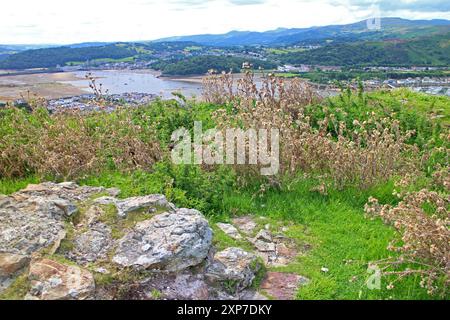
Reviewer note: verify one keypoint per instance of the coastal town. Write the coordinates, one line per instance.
(91, 102)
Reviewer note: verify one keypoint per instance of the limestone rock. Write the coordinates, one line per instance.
(33, 218)
(230, 230)
(235, 265)
(29, 225)
(154, 201)
(170, 241)
(66, 190)
(92, 245)
(51, 280)
(138, 203)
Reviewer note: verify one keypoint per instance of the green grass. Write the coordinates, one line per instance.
(342, 239)
(8, 186)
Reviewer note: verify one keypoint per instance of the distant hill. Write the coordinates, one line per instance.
(51, 57)
(391, 28)
(78, 53)
(425, 51)
(399, 42)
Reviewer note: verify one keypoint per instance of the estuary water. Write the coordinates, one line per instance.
(143, 81)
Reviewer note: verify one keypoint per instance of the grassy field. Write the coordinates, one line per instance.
(331, 226)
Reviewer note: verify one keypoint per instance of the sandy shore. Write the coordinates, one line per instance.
(46, 85)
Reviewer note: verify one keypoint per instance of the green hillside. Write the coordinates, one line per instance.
(427, 51)
(51, 57)
(201, 65)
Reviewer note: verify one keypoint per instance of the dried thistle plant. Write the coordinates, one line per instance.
(69, 145)
(369, 153)
(422, 219)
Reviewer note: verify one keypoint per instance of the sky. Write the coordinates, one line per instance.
(75, 21)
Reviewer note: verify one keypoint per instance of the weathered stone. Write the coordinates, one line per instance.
(92, 215)
(154, 201)
(11, 263)
(264, 235)
(282, 286)
(51, 280)
(230, 230)
(92, 245)
(264, 246)
(245, 224)
(68, 207)
(29, 225)
(137, 203)
(170, 241)
(67, 190)
(186, 287)
(235, 265)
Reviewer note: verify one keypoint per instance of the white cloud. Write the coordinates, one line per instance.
(70, 21)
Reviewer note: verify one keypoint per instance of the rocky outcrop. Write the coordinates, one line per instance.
(70, 242)
(170, 241)
(34, 218)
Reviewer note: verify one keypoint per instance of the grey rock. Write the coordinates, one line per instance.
(68, 207)
(29, 224)
(170, 241)
(137, 203)
(236, 265)
(105, 200)
(264, 235)
(186, 286)
(230, 230)
(92, 245)
(264, 246)
(66, 190)
(154, 201)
